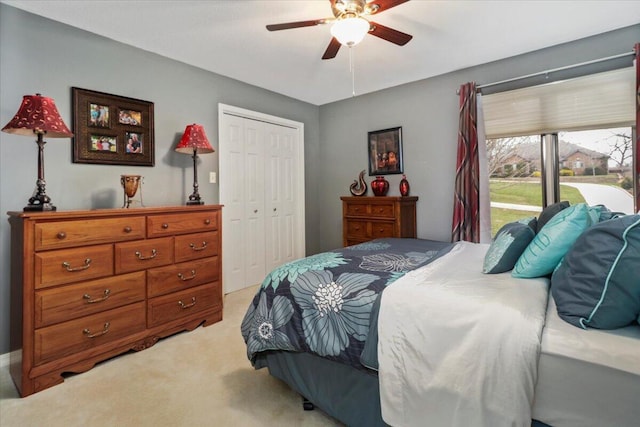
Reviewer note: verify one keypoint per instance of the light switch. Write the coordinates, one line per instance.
(212, 177)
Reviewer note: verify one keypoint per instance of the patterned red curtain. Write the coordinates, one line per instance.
(466, 217)
(637, 147)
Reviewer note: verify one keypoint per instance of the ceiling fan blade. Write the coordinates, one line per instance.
(332, 49)
(298, 24)
(377, 6)
(389, 34)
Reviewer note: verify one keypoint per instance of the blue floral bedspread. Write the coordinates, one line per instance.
(322, 304)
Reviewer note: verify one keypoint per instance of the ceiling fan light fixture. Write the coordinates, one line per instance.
(350, 31)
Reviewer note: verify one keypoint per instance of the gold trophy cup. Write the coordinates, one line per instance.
(130, 183)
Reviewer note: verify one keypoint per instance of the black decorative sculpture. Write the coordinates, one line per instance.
(359, 186)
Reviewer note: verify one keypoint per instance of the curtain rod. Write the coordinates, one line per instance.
(541, 73)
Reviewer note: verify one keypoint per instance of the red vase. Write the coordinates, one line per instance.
(380, 186)
(404, 186)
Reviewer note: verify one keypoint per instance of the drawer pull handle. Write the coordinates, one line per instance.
(201, 248)
(154, 254)
(165, 226)
(207, 221)
(61, 235)
(87, 264)
(88, 333)
(185, 306)
(184, 279)
(107, 294)
(127, 229)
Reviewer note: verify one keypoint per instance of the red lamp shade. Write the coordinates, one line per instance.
(194, 139)
(38, 114)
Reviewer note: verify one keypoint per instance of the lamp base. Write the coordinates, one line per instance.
(195, 202)
(45, 207)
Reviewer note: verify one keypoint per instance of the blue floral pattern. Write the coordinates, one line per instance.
(291, 269)
(332, 311)
(323, 304)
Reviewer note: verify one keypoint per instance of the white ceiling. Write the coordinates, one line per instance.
(229, 37)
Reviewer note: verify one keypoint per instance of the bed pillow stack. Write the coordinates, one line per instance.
(553, 241)
(598, 283)
(513, 238)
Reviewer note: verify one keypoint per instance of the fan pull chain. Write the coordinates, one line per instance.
(353, 72)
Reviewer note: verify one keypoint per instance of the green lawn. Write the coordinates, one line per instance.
(521, 193)
(500, 217)
(527, 193)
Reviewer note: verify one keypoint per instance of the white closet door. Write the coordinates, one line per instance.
(231, 146)
(262, 190)
(253, 238)
(280, 185)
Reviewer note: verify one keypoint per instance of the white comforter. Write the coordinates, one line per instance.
(458, 347)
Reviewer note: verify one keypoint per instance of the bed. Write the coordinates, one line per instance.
(568, 376)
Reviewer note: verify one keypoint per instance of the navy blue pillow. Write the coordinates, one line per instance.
(549, 212)
(597, 284)
(507, 246)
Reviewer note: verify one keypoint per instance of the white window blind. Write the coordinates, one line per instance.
(589, 102)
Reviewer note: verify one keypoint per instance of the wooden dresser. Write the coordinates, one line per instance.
(368, 218)
(88, 285)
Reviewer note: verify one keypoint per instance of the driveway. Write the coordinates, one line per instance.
(614, 198)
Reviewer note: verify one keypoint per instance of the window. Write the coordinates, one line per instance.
(577, 145)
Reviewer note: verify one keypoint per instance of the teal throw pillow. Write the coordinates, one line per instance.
(598, 283)
(552, 242)
(507, 246)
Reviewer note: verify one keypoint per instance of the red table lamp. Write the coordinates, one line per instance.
(194, 141)
(38, 115)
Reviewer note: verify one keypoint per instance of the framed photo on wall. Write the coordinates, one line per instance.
(111, 129)
(385, 152)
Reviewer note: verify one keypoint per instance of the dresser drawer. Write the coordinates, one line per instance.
(69, 302)
(66, 234)
(143, 254)
(64, 339)
(382, 229)
(163, 280)
(72, 265)
(182, 304)
(382, 210)
(195, 246)
(356, 228)
(164, 225)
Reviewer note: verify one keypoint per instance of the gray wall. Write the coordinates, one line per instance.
(427, 110)
(335, 134)
(39, 55)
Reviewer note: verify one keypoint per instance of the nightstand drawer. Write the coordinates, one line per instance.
(195, 246)
(64, 339)
(164, 280)
(382, 229)
(164, 225)
(142, 254)
(357, 228)
(382, 210)
(357, 209)
(72, 265)
(182, 304)
(69, 302)
(66, 234)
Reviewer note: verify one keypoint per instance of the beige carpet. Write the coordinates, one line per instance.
(197, 378)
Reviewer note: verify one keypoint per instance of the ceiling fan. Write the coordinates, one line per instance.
(350, 24)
